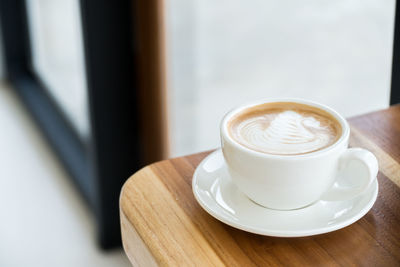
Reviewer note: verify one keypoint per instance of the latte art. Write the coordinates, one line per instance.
(284, 131)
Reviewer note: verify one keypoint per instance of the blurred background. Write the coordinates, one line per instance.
(91, 91)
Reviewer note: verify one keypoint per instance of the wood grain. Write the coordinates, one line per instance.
(158, 203)
(137, 251)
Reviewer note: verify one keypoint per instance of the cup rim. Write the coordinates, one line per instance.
(343, 123)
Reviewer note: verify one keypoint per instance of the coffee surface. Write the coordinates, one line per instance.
(284, 128)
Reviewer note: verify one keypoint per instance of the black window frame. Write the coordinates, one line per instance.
(395, 86)
(99, 166)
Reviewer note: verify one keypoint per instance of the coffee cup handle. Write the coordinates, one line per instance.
(358, 169)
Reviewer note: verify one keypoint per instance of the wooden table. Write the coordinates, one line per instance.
(163, 224)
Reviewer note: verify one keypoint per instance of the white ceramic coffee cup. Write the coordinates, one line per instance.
(288, 182)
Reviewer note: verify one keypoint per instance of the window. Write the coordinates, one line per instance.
(224, 53)
(52, 25)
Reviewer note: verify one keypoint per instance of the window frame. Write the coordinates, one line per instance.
(395, 86)
(99, 166)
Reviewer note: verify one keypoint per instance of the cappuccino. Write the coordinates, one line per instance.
(284, 128)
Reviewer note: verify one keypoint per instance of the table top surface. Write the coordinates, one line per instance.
(162, 224)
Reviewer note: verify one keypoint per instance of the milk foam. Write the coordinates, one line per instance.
(285, 132)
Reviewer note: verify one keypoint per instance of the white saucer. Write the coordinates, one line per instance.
(216, 193)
